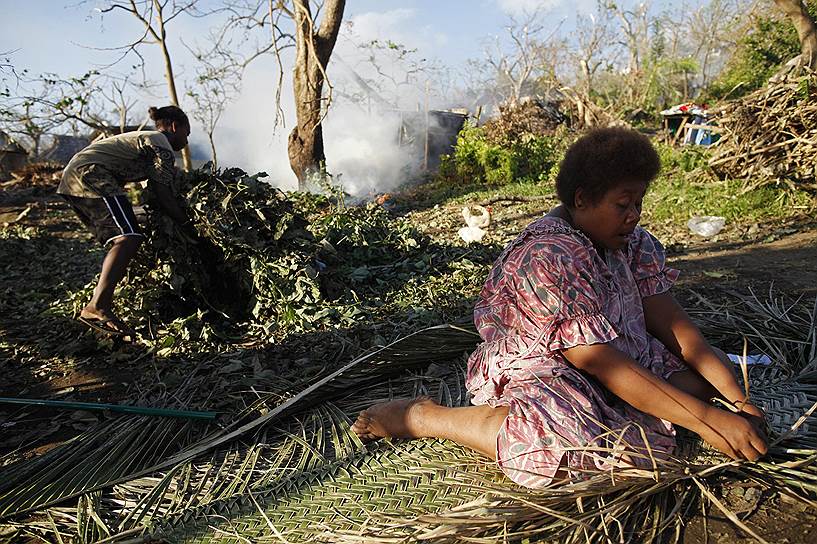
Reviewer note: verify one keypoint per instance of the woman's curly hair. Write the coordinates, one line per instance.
(603, 158)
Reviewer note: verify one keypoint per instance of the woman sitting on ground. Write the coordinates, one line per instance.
(585, 355)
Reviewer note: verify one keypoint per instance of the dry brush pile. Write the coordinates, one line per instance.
(771, 134)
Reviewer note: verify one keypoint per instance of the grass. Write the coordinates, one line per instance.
(674, 197)
(684, 188)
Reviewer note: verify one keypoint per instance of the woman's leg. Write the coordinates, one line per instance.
(475, 427)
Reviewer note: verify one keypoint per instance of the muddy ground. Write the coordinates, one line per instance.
(780, 256)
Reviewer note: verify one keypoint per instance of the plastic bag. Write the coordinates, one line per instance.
(706, 225)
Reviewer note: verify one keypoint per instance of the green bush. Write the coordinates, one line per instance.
(759, 54)
(526, 159)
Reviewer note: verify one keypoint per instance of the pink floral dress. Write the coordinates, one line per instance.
(551, 290)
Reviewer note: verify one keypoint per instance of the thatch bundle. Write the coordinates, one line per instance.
(771, 134)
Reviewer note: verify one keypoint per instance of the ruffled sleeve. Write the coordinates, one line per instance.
(648, 264)
(555, 294)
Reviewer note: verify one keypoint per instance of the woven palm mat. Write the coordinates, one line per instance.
(427, 489)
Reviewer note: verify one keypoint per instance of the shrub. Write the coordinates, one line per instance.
(526, 158)
(769, 44)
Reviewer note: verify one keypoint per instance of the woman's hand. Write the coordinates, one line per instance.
(734, 435)
(756, 417)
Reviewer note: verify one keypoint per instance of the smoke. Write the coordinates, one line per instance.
(247, 137)
(362, 141)
(363, 151)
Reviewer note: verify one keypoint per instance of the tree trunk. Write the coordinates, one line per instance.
(312, 51)
(171, 81)
(210, 136)
(796, 11)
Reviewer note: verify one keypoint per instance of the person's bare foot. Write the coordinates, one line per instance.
(402, 418)
(106, 320)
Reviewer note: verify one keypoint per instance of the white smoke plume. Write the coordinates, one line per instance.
(361, 140)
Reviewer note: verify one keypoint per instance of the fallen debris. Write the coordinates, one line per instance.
(770, 136)
(475, 224)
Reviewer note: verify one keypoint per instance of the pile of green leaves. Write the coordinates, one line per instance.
(263, 262)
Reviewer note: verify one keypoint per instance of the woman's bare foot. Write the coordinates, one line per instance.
(402, 418)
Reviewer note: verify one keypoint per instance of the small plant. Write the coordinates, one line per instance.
(526, 158)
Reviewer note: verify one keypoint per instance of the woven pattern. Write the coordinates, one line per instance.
(412, 478)
(409, 479)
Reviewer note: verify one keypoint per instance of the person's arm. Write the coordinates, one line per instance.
(625, 378)
(164, 197)
(159, 182)
(671, 325)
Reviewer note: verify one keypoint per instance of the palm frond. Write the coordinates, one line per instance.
(127, 448)
(297, 474)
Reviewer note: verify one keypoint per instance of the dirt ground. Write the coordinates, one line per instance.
(781, 257)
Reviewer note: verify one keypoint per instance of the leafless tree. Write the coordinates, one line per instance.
(155, 16)
(593, 46)
(522, 61)
(314, 32)
(635, 31)
(49, 102)
(383, 69)
(215, 86)
(117, 94)
(383, 73)
(314, 42)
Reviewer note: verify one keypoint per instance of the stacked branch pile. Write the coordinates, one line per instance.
(771, 134)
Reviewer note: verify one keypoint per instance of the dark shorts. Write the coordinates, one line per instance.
(107, 217)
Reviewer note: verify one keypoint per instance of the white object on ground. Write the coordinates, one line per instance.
(476, 223)
(706, 225)
(761, 359)
(471, 234)
(480, 221)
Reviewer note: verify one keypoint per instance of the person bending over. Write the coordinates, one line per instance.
(93, 184)
(587, 360)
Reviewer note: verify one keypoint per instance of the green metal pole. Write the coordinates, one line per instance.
(139, 410)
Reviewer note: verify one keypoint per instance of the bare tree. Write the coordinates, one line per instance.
(382, 73)
(216, 85)
(520, 62)
(49, 103)
(27, 122)
(593, 38)
(635, 30)
(314, 35)
(116, 94)
(797, 13)
(155, 15)
(385, 72)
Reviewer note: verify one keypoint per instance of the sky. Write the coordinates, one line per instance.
(69, 37)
